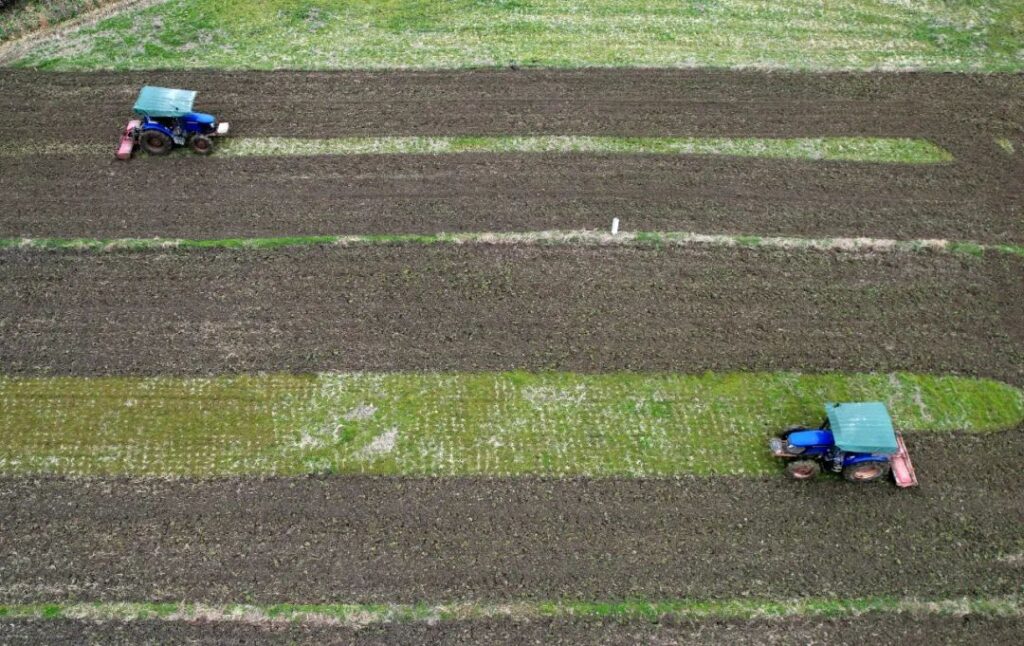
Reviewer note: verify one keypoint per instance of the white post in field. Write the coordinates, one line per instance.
(615, 226)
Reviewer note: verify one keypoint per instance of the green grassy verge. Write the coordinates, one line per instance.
(858, 149)
(952, 35)
(582, 237)
(366, 614)
(454, 424)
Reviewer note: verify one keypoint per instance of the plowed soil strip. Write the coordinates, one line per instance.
(415, 307)
(955, 107)
(883, 628)
(182, 196)
(976, 198)
(402, 541)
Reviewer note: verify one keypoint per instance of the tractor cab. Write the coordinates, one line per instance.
(166, 119)
(857, 440)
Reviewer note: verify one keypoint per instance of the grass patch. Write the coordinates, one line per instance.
(855, 149)
(357, 615)
(20, 17)
(656, 239)
(949, 35)
(1006, 145)
(561, 424)
(863, 149)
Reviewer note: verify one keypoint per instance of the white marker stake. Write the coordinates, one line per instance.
(615, 226)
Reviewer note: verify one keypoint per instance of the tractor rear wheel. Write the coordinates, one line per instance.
(866, 471)
(201, 144)
(155, 142)
(803, 469)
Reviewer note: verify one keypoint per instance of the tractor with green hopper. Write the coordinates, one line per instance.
(856, 440)
(165, 119)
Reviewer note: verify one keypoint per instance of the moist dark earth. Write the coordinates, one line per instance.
(407, 540)
(507, 307)
(873, 628)
(976, 197)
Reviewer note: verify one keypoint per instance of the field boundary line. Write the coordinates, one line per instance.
(358, 615)
(576, 237)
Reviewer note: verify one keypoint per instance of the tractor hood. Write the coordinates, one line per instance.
(807, 439)
(201, 118)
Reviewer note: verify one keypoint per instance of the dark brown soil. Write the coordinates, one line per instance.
(872, 628)
(976, 198)
(622, 102)
(481, 307)
(411, 540)
(365, 194)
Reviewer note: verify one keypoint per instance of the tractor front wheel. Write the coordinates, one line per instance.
(803, 469)
(866, 471)
(201, 144)
(155, 142)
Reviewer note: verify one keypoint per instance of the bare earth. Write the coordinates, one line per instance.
(977, 197)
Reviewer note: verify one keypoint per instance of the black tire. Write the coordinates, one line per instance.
(201, 144)
(803, 469)
(870, 471)
(155, 142)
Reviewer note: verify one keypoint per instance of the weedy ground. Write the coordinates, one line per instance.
(862, 149)
(454, 424)
(953, 35)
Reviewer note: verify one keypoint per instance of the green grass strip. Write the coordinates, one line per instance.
(858, 149)
(636, 609)
(430, 424)
(863, 149)
(577, 238)
(950, 35)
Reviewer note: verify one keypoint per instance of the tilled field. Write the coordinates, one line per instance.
(499, 307)
(976, 198)
(624, 102)
(877, 628)
(366, 194)
(531, 306)
(406, 540)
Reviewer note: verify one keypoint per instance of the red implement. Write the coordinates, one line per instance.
(902, 469)
(127, 144)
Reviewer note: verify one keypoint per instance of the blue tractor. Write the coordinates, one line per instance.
(165, 120)
(856, 440)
